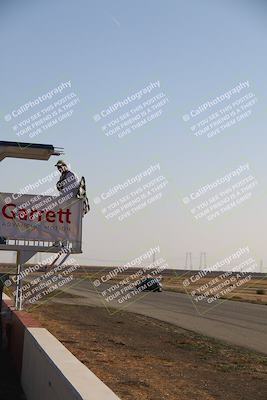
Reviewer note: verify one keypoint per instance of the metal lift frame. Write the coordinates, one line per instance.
(26, 249)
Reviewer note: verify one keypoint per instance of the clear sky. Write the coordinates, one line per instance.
(109, 50)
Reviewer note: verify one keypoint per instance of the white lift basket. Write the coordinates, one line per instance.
(30, 224)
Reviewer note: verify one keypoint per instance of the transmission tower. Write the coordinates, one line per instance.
(188, 260)
(203, 260)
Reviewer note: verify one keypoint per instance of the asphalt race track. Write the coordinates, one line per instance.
(239, 323)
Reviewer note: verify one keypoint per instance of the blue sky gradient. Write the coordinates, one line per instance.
(111, 49)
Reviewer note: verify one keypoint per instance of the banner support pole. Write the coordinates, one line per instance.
(22, 257)
(18, 299)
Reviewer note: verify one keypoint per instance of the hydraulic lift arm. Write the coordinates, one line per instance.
(31, 151)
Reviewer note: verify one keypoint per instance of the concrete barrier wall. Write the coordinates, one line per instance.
(50, 369)
(47, 369)
(14, 326)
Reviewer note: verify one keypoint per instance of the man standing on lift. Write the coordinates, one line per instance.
(68, 183)
(70, 186)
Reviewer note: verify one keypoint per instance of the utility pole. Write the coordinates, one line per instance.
(186, 260)
(154, 258)
(200, 261)
(203, 260)
(190, 261)
(261, 266)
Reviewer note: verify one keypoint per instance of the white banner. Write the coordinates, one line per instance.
(36, 217)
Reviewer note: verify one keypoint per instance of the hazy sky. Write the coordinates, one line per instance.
(110, 50)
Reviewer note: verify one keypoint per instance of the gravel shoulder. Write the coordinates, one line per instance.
(142, 358)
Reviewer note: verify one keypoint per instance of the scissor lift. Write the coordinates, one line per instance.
(26, 249)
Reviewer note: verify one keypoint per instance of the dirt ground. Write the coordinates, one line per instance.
(253, 291)
(140, 358)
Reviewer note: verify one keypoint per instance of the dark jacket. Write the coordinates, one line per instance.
(68, 184)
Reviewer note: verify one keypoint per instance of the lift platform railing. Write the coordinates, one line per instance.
(19, 233)
(38, 245)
